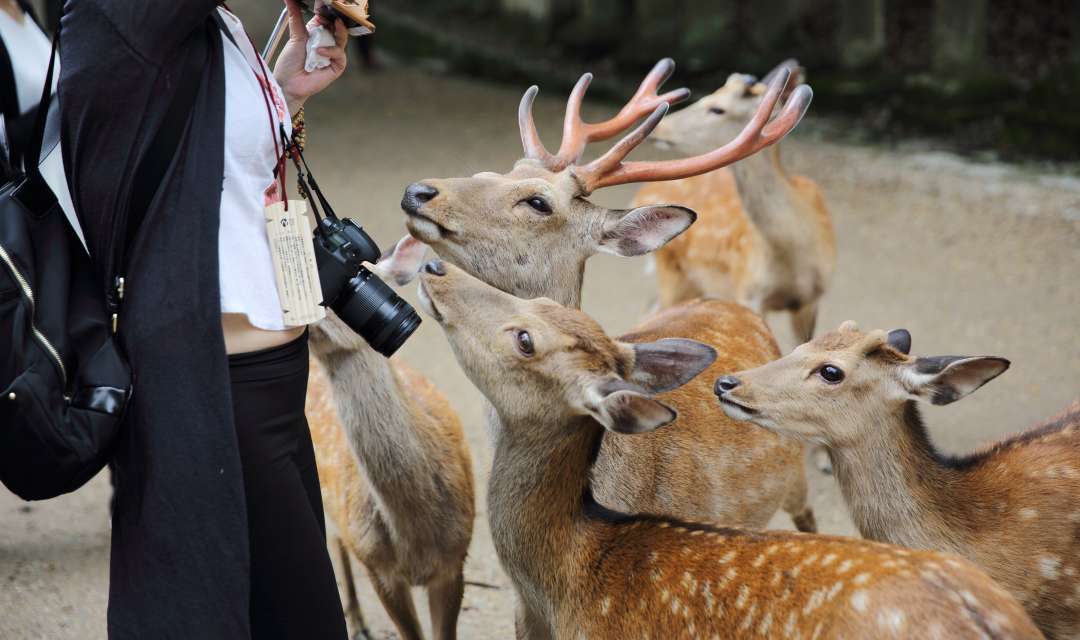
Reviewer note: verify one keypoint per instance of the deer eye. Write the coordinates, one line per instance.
(717, 110)
(539, 205)
(525, 343)
(831, 374)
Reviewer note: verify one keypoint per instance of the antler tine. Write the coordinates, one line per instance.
(608, 171)
(611, 160)
(577, 133)
(530, 137)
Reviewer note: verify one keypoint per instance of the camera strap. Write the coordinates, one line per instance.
(308, 187)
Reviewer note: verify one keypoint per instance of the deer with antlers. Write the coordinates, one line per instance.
(529, 233)
(1012, 508)
(763, 237)
(557, 383)
(395, 471)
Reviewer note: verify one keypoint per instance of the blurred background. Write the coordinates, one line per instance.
(943, 133)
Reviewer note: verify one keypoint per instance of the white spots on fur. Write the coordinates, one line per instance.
(727, 557)
(789, 625)
(748, 621)
(697, 532)
(777, 577)
(689, 582)
(665, 595)
(758, 561)
(1028, 513)
(817, 598)
(935, 632)
(727, 578)
(969, 599)
(844, 567)
(605, 606)
(744, 597)
(656, 575)
(861, 579)
(706, 593)
(860, 600)
(675, 605)
(1049, 567)
(891, 619)
(766, 624)
(828, 559)
(653, 556)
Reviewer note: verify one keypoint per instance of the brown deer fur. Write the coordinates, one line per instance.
(529, 232)
(396, 478)
(763, 238)
(583, 571)
(1013, 508)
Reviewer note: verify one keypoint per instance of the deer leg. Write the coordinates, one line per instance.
(354, 617)
(803, 321)
(397, 600)
(444, 605)
(797, 503)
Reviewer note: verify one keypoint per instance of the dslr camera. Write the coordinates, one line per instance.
(357, 296)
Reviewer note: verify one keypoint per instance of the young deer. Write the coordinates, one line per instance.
(529, 233)
(763, 238)
(396, 476)
(1012, 508)
(582, 571)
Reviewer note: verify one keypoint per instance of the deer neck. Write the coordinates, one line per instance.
(560, 280)
(535, 502)
(382, 430)
(899, 489)
(768, 198)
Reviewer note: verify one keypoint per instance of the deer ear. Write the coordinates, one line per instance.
(403, 262)
(669, 363)
(627, 411)
(946, 379)
(644, 229)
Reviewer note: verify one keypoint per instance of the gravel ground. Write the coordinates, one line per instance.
(981, 259)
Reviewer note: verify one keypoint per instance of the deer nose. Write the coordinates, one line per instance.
(416, 194)
(435, 268)
(726, 383)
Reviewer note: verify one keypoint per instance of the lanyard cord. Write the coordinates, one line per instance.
(264, 87)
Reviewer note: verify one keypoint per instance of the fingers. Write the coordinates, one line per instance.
(336, 55)
(296, 20)
(341, 34)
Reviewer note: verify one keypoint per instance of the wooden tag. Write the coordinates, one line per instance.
(295, 271)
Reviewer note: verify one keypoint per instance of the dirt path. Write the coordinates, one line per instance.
(971, 259)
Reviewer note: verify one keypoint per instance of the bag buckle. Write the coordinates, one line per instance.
(115, 299)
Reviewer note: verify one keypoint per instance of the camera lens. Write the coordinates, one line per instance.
(374, 311)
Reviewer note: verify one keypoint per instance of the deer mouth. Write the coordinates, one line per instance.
(427, 304)
(736, 410)
(425, 228)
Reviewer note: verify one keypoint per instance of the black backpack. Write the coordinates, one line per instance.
(65, 382)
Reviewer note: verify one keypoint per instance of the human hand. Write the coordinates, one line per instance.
(298, 84)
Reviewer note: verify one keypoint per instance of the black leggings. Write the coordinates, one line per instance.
(293, 592)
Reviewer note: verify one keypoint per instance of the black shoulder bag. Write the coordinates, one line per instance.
(65, 382)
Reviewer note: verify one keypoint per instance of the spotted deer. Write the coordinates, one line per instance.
(530, 231)
(1012, 508)
(395, 472)
(583, 571)
(763, 237)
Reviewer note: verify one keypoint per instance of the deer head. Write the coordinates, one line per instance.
(720, 115)
(836, 388)
(529, 231)
(539, 361)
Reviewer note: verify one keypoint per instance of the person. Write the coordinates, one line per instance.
(218, 528)
(24, 60)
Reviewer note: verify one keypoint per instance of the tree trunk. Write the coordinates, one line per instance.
(861, 32)
(959, 35)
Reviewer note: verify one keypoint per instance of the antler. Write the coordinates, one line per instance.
(577, 133)
(609, 169)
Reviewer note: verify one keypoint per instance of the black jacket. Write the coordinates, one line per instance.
(179, 540)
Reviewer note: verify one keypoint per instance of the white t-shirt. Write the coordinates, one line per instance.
(246, 267)
(29, 50)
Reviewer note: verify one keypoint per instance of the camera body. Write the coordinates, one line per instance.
(357, 296)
